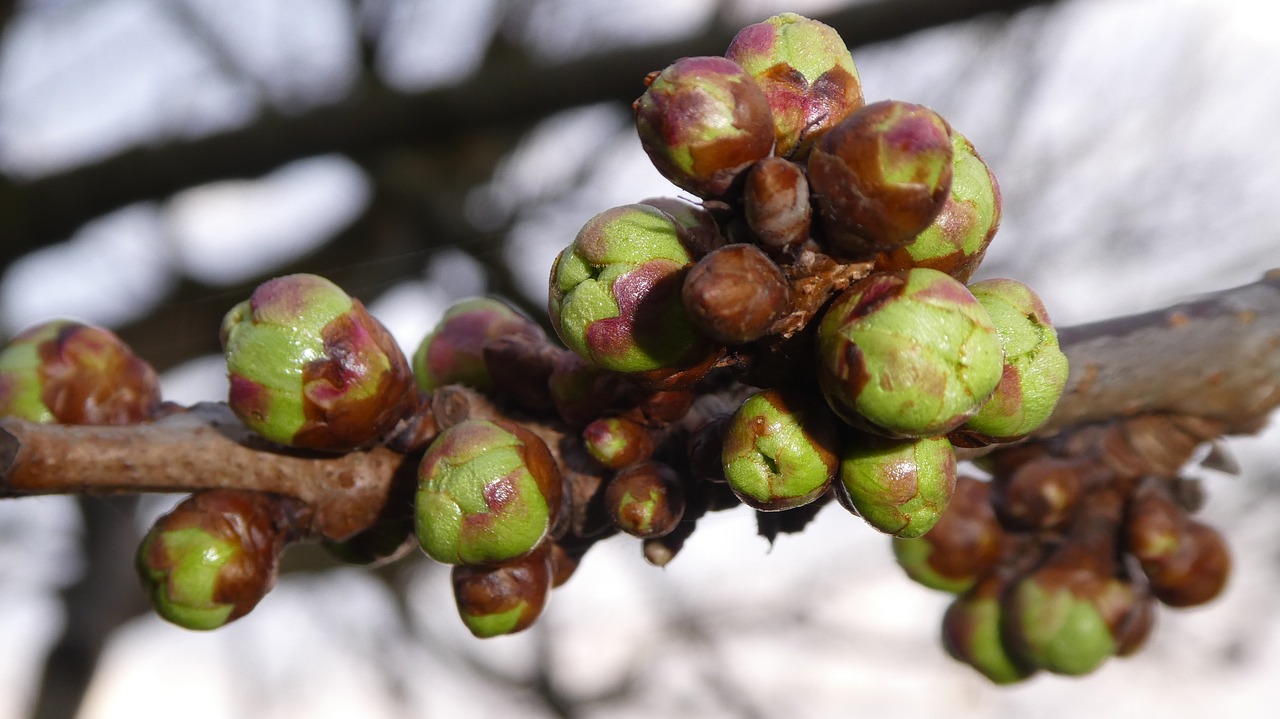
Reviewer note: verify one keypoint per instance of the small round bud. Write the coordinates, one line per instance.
(453, 352)
(807, 73)
(734, 294)
(488, 491)
(645, 500)
(502, 599)
(971, 634)
(776, 205)
(1043, 493)
(68, 373)
(212, 558)
(880, 177)
(617, 442)
(703, 121)
(899, 487)
(1196, 572)
(957, 239)
(310, 367)
(907, 354)
(779, 451)
(615, 293)
(962, 547)
(1065, 617)
(1035, 369)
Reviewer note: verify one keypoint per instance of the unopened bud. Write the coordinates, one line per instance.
(779, 450)
(645, 500)
(734, 294)
(900, 487)
(502, 599)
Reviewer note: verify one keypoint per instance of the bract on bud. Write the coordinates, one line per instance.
(775, 203)
(900, 487)
(645, 500)
(703, 121)
(734, 294)
(962, 547)
(957, 239)
(780, 450)
(213, 557)
(310, 367)
(805, 70)
(487, 492)
(907, 354)
(615, 293)
(880, 177)
(68, 373)
(1035, 369)
(971, 634)
(616, 442)
(502, 599)
(453, 352)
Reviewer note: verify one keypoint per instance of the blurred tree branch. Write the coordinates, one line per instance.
(510, 90)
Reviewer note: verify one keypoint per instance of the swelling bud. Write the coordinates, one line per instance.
(907, 354)
(488, 492)
(502, 599)
(899, 487)
(806, 73)
(309, 367)
(63, 372)
(779, 451)
(703, 121)
(213, 557)
(453, 352)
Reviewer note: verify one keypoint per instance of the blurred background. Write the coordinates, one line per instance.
(158, 158)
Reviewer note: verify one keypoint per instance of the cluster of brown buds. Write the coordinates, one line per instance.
(806, 331)
(1058, 561)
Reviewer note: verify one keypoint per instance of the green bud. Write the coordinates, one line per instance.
(645, 500)
(907, 354)
(616, 442)
(1062, 618)
(962, 547)
(68, 373)
(502, 599)
(615, 293)
(779, 451)
(212, 558)
(487, 492)
(957, 239)
(899, 487)
(971, 634)
(703, 121)
(310, 367)
(453, 352)
(1035, 369)
(881, 177)
(806, 72)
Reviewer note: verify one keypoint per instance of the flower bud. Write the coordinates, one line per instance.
(1035, 369)
(779, 451)
(971, 634)
(615, 293)
(68, 373)
(703, 121)
(617, 442)
(502, 599)
(881, 177)
(310, 367)
(957, 239)
(734, 294)
(900, 487)
(962, 547)
(1040, 494)
(776, 205)
(1065, 618)
(805, 71)
(453, 352)
(488, 491)
(214, 556)
(907, 354)
(645, 500)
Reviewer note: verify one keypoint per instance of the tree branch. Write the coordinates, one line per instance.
(1216, 359)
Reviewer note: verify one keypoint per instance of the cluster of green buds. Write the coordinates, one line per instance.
(64, 372)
